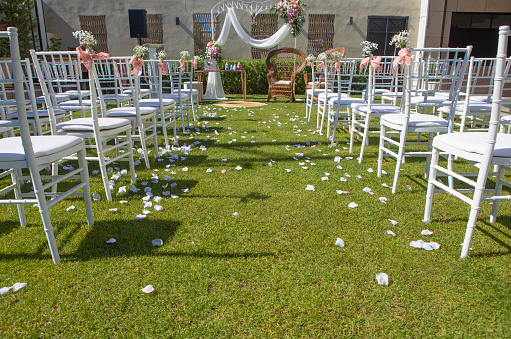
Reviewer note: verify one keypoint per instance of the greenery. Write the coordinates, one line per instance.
(273, 270)
(18, 13)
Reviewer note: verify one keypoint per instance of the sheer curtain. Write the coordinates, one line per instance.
(215, 90)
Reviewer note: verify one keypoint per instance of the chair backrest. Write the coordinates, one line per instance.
(285, 63)
(435, 71)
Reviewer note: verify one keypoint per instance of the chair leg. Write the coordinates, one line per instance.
(155, 137)
(380, 151)
(365, 136)
(17, 195)
(498, 190)
(131, 163)
(431, 187)
(102, 167)
(141, 133)
(400, 157)
(84, 175)
(164, 126)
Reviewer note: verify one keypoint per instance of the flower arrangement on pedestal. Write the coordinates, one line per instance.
(213, 50)
(293, 12)
(368, 47)
(185, 55)
(401, 39)
(88, 41)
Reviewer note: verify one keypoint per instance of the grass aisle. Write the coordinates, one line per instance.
(272, 270)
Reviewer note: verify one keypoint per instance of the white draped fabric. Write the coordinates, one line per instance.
(215, 90)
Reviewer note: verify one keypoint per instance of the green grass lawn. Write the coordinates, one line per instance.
(271, 271)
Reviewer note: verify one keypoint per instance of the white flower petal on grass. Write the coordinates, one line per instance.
(166, 193)
(352, 205)
(122, 189)
(184, 169)
(427, 246)
(368, 190)
(382, 278)
(391, 233)
(185, 190)
(324, 178)
(140, 216)
(409, 187)
(393, 222)
(301, 163)
(123, 202)
(270, 164)
(288, 170)
(96, 196)
(148, 204)
(305, 167)
(4, 290)
(158, 208)
(337, 159)
(339, 242)
(348, 158)
(342, 192)
(148, 289)
(144, 211)
(383, 172)
(147, 197)
(235, 214)
(157, 242)
(339, 167)
(157, 199)
(359, 176)
(167, 178)
(310, 188)
(18, 286)
(347, 175)
(385, 185)
(383, 200)
(343, 179)
(148, 189)
(417, 244)
(124, 171)
(209, 170)
(112, 209)
(370, 170)
(95, 172)
(173, 185)
(434, 245)
(238, 168)
(426, 232)
(134, 189)
(173, 196)
(72, 207)
(111, 241)
(144, 183)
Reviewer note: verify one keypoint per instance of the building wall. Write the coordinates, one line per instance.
(436, 13)
(61, 17)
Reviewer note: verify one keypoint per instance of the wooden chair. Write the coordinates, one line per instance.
(283, 65)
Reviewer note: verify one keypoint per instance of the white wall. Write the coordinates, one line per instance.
(62, 19)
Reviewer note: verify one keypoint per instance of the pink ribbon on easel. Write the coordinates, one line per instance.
(375, 62)
(194, 64)
(181, 65)
(138, 64)
(163, 67)
(402, 56)
(87, 58)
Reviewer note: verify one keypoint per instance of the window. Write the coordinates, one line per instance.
(154, 29)
(264, 25)
(479, 30)
(380, 30)
(96, 24)
(321, 33)
(202, 31)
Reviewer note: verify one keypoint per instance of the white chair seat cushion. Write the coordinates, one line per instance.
(506, 120)
(188, 90)
(430, 100)
(392, 94)
(331, 95)
(129, 111)
(143, 91)
(11, 149)
(59, 97)
(282, 83)
(416, 120)
(75, 94)
(345, 101)
(473, 107)
(43, 113)
(115, 97)
(86, 124)
(156, 102)
(7, 123)
(317, 91)
(175, 96)
(376, 108)
(76, 103)
(475, 142)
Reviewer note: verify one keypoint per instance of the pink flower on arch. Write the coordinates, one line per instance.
(4, 26)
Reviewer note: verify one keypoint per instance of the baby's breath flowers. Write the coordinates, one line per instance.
(86, 39)
(140, 51)
(401, 39)
(368, 47)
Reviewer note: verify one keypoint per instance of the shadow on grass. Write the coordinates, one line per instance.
(133, 238)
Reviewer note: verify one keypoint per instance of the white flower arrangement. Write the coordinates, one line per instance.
(185, 55)
(401, 39)
(140, 51)
(336, 56)
(322, 56)
(197, 58)
(310, 58)
(86, 39)
(161, 55)
(368, 47)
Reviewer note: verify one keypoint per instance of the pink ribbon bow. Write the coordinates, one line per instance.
(194, 64)
(375, 62)
(163, 67)
(181, 65)
(87, 58)
(402, 56)
(138, 64)
(322, 66)
(309, 63)
(337, 66)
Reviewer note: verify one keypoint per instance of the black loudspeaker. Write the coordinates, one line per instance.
(138, 23)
